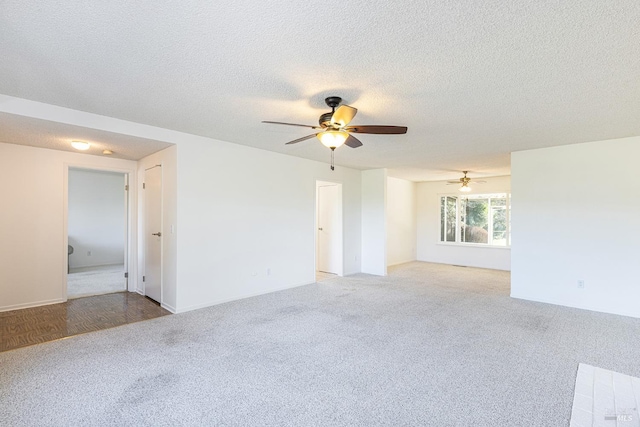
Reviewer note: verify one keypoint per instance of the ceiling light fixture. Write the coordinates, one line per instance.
(333, 138)
(80, 145)
(465, 188)
(107, 152)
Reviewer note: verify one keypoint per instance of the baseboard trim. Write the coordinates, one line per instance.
(225, 300)
(463, 264)
(524, 297)
(401, 262)
(31, 304)
(168, 308)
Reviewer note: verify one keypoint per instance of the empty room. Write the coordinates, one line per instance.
(319, 213)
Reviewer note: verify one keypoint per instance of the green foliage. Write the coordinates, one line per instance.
(476, 213)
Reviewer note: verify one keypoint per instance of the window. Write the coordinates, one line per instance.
(478, 219)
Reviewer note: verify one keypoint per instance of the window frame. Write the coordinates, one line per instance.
(458, 241)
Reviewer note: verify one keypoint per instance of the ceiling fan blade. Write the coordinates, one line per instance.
(477, 182)
(343, 115)
(386, 130)
(304, 138)
(291, 124)
(353, 142)
(453, 182)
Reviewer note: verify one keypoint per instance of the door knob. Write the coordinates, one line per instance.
(157, 234)
(320, 228)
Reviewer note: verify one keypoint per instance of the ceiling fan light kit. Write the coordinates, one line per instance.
(465, 188)
(334, 129)
(333, 138)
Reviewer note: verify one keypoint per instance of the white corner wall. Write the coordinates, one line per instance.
(246, 221)
(401, 221)
(33, 251)
(575, 217)
(430, 249)
(374, 222)
(168, 159)
(96, 217)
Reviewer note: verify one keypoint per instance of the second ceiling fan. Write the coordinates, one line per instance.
(465, 181)
(334, 128)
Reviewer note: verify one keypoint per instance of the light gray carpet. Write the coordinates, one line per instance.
(428, 345)
(102, 279)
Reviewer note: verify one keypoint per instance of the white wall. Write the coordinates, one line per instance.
(239, 211)
(168, 159)
(33, 251)
(576, 210)
(243, 212)
(401, 221)
(374, 222)
(96, 217)
(430, 248)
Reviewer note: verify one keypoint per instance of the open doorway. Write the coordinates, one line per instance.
(329, 242)
(97, 229)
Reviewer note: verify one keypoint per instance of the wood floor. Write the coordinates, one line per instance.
(320, 276)
(21, 328)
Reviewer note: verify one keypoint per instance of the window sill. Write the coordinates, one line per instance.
(472, 245)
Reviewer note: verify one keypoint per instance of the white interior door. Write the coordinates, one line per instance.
(153, 233)
(126, 231)
(330, 229)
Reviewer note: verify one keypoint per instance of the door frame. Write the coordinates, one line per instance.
(340, 232)
(130, 249)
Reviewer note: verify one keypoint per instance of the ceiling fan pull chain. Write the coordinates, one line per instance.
(332, 151)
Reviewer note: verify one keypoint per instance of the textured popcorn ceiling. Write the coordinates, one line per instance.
(473, 80)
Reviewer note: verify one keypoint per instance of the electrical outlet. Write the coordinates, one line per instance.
(268, 272)
(580, 284)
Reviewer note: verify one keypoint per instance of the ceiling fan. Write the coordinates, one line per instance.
(335, 129)
(465, 181)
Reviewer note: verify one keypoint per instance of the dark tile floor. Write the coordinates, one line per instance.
(20, 328)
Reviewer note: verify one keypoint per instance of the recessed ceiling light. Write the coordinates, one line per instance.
(80, 145)
(107, 152)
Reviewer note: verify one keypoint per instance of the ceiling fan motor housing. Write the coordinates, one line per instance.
(333, 102)
(325, 119)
